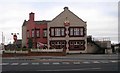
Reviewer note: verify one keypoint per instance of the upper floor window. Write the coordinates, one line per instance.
(62, 31)
(52, 31)
(33, 33)
(76, 31)
(57, 31)
(45, 33)
(38, 33)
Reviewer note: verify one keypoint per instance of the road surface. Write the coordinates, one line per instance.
(66, 63)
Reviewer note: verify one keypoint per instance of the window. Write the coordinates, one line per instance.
(76, 31)
(57, 31)
(58, 44)
(76, 45)
(38, 32)
(52, 31)
(45, 33)
(28, 34)
(33, 33)
(71, 31)
(62, 31)
(81, 30)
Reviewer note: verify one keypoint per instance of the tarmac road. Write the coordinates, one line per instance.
(65, 63)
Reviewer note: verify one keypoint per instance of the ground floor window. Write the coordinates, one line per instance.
(76, 45)
(57, 44)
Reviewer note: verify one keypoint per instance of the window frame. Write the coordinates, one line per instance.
(44, 32)
(57, 31)
(76, 31)
(36, 34)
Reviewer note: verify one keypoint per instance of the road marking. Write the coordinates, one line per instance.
(65, 63)
(5, 63)
(46, 63)
(24, 63)
(114, 61)
(14, 63)
(76, 62)
(86, 62)
(56, 63)
(96, 62)
(35, 63)
(0, 63)
(71, 69)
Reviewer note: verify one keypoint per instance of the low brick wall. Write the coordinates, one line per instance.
(34, 54)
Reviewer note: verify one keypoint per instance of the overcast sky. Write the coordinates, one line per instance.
(101, 15)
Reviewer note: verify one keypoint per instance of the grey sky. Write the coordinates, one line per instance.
(101, 15)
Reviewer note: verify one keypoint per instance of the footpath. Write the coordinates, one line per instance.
(73, 56)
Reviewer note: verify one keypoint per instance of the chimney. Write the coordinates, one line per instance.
(31, 16)
(66, 8)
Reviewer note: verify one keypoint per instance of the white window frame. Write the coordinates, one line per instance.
(38, 33)
(33, 33)
(45, 33)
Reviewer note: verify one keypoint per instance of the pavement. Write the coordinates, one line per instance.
(75, 56)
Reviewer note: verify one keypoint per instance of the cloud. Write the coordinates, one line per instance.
(101, 15)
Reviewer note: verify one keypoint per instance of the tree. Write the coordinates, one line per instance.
(30, 43)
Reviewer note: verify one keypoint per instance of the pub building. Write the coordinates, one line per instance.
(66, 31)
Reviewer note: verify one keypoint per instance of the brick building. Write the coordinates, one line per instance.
(66, 31)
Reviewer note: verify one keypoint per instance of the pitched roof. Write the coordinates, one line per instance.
(37, 22)
(66, 8)
(24, 23)
(42, 22)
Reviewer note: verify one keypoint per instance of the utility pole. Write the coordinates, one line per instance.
(2, 41)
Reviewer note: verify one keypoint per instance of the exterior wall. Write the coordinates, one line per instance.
(32, 25)
(42, 39)
(23, 36)
(74, 22)
(91, 48)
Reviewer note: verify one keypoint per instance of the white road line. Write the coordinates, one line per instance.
(35, 63)
(76, 62)
(14, 63)
(0, 63)
(5, 63)
(96, 62)
(56, 63)
(113, 61)
(65, 63)
(24, 63)
(86, 62)
(46, 63)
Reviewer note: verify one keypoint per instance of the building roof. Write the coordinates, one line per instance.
(37, 22)
(24, 23)
(66, 8)
(42, 22)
